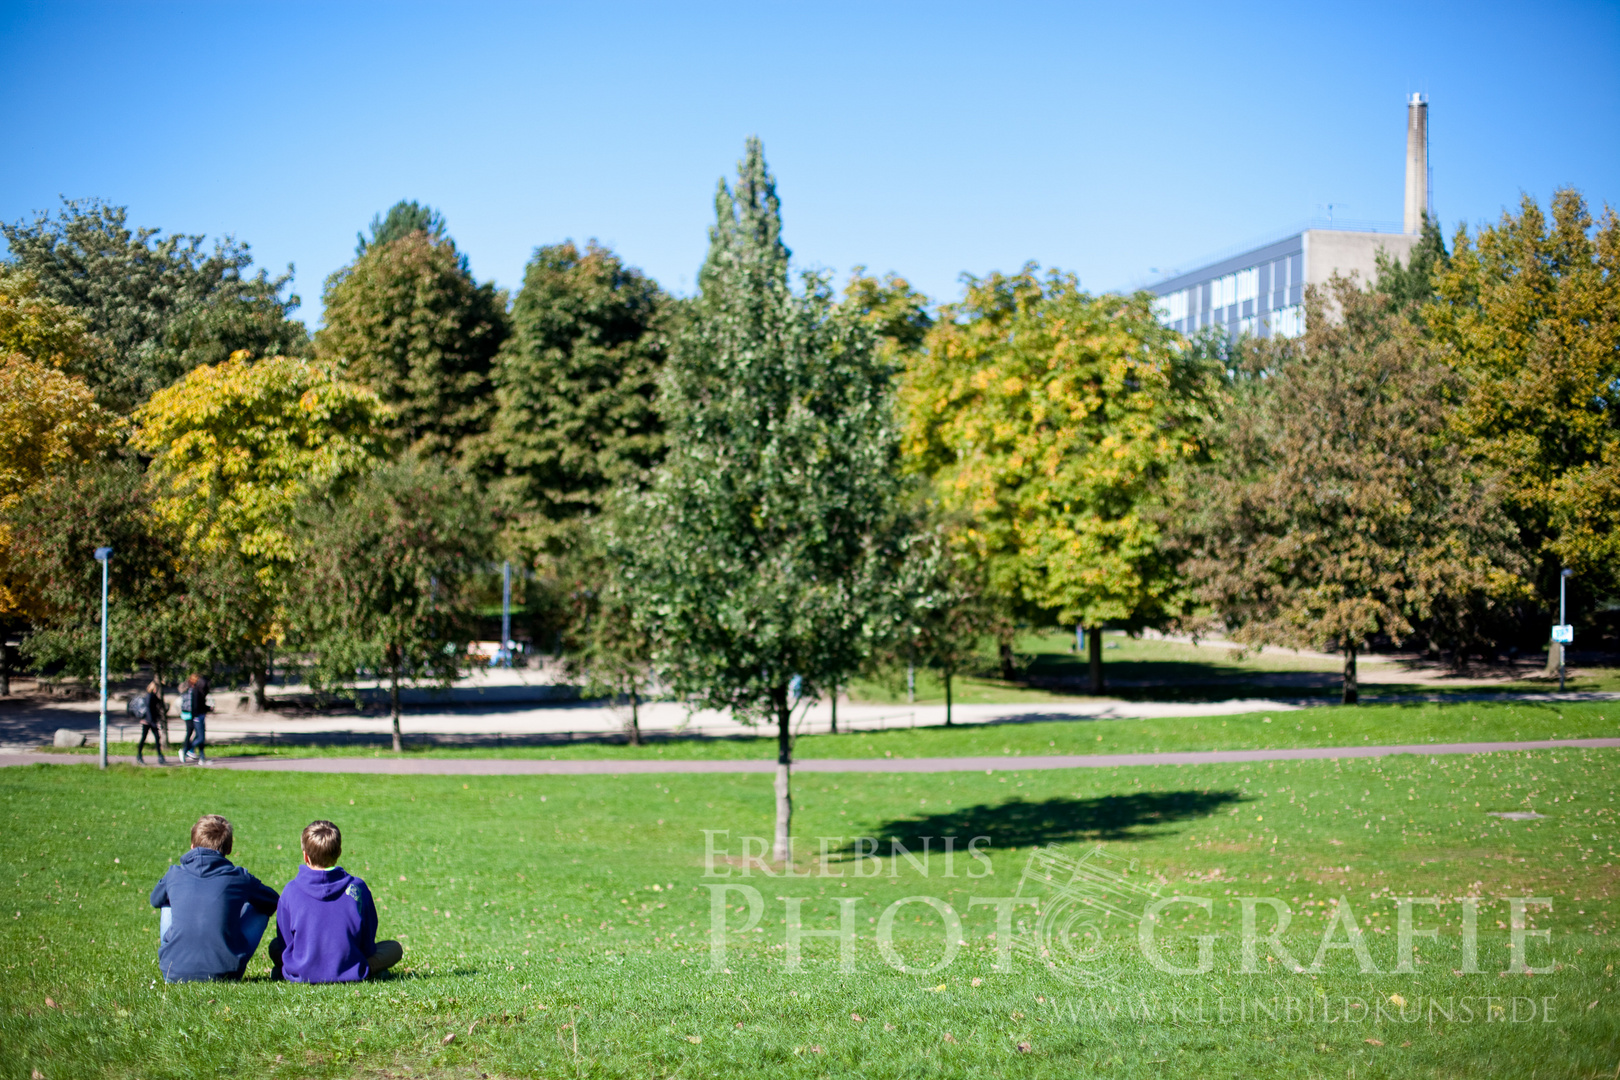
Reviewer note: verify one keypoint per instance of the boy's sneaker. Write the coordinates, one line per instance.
(188, 758)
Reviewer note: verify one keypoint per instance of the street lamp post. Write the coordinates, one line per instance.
(104, 556)
(1565, 633)
(506, 612)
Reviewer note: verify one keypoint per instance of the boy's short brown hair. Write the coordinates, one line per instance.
(212, 831)
(323, 843)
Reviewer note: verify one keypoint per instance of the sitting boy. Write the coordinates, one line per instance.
(326, 930)
(213, 913)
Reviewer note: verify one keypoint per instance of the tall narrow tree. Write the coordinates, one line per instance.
(768, 532)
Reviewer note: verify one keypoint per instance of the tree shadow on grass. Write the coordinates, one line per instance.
(1024, 823)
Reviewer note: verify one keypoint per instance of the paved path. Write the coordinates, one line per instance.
(530, 767)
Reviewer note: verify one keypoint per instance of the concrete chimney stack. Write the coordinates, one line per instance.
(1417, 163)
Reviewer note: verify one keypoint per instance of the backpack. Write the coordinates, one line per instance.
(140, 706)
(186, 698)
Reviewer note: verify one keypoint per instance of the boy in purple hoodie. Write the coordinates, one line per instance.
(326, 926)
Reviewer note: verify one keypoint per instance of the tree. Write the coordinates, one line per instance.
(943, 611)
(158, 306)
(1340, 508)
(605, 636)
(387, 573)
(403, 219)
(407, 321)
(53, 529)
(1053, 421)
(769, 529)
(49, 421)
(575, 389)
(235, 446)
(895, 311)
(39, 329)
(1528, 313)
(1412, 285)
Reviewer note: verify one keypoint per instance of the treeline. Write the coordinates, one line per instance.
(750, 496)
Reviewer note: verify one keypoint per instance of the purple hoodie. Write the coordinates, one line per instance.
(328, 925)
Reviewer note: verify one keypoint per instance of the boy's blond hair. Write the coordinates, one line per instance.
(212, 831)
(323, 843)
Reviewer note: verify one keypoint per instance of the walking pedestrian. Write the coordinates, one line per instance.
(149, 708)
(194, 711)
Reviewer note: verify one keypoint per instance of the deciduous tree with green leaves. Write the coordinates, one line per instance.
(407, 321)
(575, 386)
(769, 531)
(157, 305)
(1052, 422)
(1341, 507)
(386, 579)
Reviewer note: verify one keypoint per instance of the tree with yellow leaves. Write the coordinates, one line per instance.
(1052, 421)
(235, 446)
(1528, 312)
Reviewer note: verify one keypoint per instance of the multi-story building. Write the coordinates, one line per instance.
(1260, 292)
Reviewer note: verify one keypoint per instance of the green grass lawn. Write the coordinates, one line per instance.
(557, 926)
(1322, 726)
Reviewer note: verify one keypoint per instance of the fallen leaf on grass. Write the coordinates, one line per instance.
(977, 981)
(49, 1004)
(888, 1027)
(1372, 1042)
(1408, 1042)
(37, 1075)
(936, 989)
(448, 1039)
(949, 1037)
(815, 1050)
(694, 1039)
(1023, 1048)
(855, 1017)
(471, 1026)
(1398, 1001)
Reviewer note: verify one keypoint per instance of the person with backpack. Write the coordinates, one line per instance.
(194, 711)
(148, 708)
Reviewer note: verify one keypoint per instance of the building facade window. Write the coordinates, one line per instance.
(1287, 322)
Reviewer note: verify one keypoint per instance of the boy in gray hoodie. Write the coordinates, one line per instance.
(214, 913)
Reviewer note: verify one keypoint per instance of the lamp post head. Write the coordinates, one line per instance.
(103, 554)
(1566, 573)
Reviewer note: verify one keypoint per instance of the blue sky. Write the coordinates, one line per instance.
(927, 139)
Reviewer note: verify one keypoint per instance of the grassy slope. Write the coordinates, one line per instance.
(535, 935)
(1335, 726)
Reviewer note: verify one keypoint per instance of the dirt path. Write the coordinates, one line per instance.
(531, 767)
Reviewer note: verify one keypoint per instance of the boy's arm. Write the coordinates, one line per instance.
(368, 922)
(263, 898)
(160, 891)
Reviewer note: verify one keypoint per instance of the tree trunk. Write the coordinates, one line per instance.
(783, 850)
(5, 665)
(1009, 670)
(1350, 693)
(632, 730)
(1094, 640)
(1555, 657)
(259, 678)
(947, 697)
(834, 728)
(393, 700)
